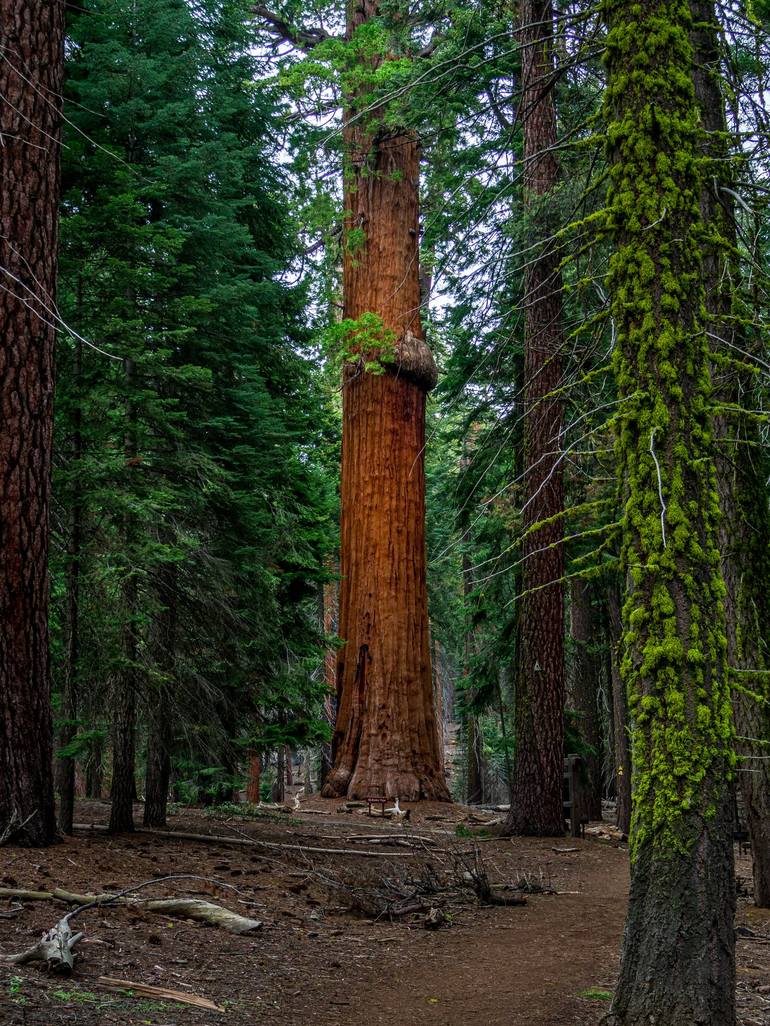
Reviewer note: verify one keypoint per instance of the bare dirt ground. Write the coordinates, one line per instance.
(325, 956)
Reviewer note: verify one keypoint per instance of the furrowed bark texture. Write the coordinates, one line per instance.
(744, 538)
(386, 738)
(678, 960)
(536, 799)
(30, 123)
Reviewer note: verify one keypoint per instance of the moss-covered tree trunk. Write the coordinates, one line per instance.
(385, 740)
(536, 798)
(742, 470)
(32, 33)
(678, 960)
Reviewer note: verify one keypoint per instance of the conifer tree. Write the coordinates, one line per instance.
(678, 961)
(204, 513)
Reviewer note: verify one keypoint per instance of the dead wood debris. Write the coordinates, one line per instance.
(56, 946)
(160, 993)
(180, 835)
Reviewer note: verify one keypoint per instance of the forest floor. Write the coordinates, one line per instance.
(325, 956)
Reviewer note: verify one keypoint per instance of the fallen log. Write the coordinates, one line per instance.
(187, 908)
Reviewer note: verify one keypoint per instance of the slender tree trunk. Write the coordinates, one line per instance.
(330, 624)
(621, 746)
(741, 467)
(254, 778)
(30, 126)
(385, 741)
(536, 799)
(95, 770)
(585, 688)
(474, 745)
(123, 787)
(678, 960)
(160, 734)
(65, 767)
(438, 693)
(279, 786)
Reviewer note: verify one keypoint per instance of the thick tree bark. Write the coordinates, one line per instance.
(741, 470)
(621, 747)
(536, 799)
(30, 126)
(385, 740)
(585, 688)
(678, 960)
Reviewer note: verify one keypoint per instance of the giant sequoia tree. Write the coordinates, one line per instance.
(678, 962)
(30, 124)
(385, 739)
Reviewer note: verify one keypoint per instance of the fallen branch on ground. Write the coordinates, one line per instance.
(187, 908)
(161, 993)
(180, 835)
(56, 945)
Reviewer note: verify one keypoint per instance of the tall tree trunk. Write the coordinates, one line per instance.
(123, 789)
(621, 746)
(95, 769)
(474, 746)
(279, 784)
(160, 734)
(65, 766)
(254, 777)
(30, 127)
(585, 688)
(741, 468)
(678, 960)
(385, 740)
(536, 798)
(330, 624)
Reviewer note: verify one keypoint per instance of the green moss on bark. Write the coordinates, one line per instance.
(674, 662)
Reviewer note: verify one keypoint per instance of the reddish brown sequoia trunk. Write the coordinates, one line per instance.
(385, 741)
(30, 121)
(536, 799)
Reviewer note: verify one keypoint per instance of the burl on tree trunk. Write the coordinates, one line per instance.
(386, 739)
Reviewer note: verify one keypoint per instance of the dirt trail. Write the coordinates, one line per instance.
(315, 963)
